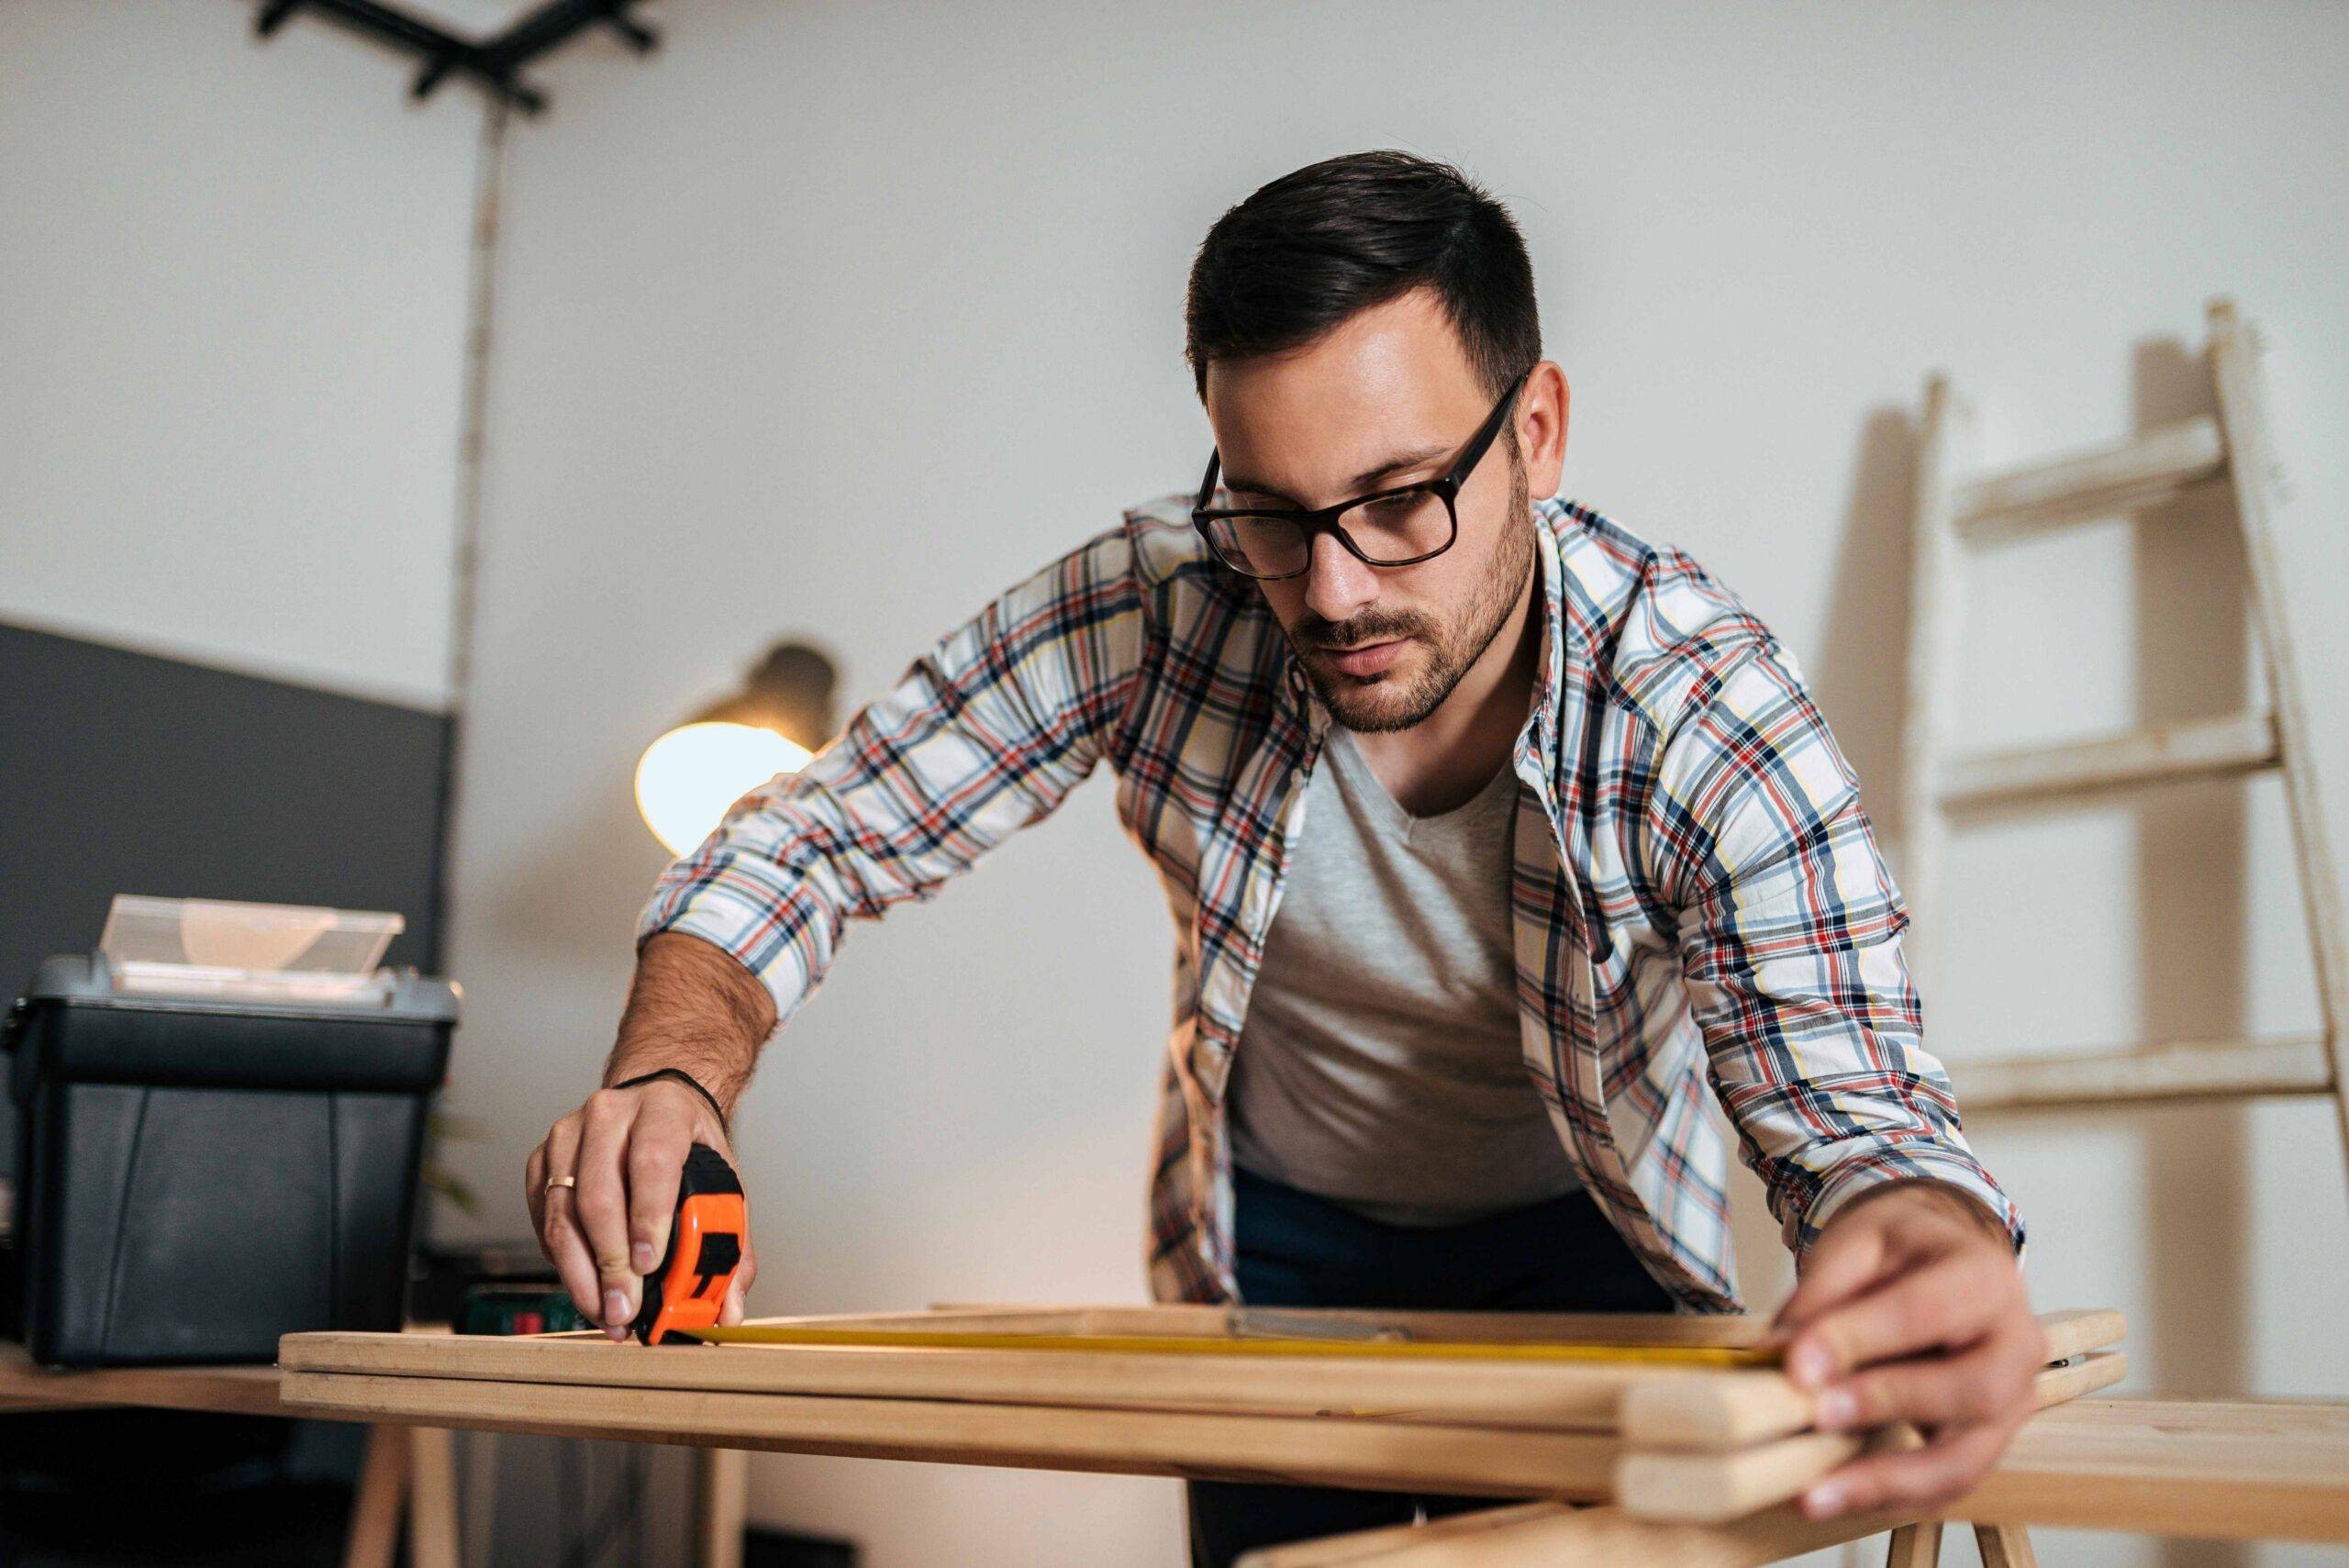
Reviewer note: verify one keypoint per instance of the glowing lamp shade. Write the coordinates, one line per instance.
(688, 777)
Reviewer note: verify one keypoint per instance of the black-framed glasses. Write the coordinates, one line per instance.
(1401, 526)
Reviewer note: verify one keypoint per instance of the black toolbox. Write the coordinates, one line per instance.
(198, 1175)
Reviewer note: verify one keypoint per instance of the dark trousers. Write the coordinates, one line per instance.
(1297, 1249)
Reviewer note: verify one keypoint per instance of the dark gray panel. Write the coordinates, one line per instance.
(124, 772)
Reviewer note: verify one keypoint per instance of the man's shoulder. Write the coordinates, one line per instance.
(1651, 626)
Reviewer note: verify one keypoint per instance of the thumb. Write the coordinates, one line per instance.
(736, 1305)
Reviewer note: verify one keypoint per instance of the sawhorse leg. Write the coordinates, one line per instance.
(721, 1478)
(411, 1465)
(1920, 1546)
(1915, 1546)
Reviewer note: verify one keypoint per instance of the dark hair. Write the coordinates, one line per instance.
(1314, 247)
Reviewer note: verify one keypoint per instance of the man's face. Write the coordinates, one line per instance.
(1385, 398)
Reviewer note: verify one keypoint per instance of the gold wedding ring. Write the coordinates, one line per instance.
(554, 1182)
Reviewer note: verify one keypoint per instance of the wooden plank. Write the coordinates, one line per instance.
(1559, 1396)
(241, 1390)
(2092, 482)
(1696, 1486)
(2223, 746)
(1304, 1451)
(1736, 1409)
(1221, 1320)
(2240, 1470)
(2186, 1070)
(1273, 1347)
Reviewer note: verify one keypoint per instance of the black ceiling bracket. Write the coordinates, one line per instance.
(495, 64)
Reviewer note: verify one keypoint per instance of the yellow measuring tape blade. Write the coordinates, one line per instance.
(1180, 1344)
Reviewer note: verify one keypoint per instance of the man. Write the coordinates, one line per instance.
(1493, 834)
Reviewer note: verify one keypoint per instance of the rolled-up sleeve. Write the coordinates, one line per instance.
(983, 734)
(1790, 940)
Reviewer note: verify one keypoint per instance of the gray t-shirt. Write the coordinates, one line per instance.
(1379, 1064)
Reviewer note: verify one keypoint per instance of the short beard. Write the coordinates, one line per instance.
(1453, 652)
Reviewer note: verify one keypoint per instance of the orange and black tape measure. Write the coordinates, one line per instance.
(687, 1292)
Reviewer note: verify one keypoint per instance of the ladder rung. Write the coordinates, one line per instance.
(2230, 1069)
(2093, 483)
(2202, 748)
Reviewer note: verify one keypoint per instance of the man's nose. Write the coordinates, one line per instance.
(1337, 586)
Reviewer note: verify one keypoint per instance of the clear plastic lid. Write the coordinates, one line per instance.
(218, 945)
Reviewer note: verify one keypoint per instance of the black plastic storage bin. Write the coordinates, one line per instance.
(196, 1177)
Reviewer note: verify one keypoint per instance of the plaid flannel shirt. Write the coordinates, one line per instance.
(1697, 894)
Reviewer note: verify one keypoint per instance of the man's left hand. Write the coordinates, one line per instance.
(1911, 1306)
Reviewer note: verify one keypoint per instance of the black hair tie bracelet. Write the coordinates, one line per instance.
(690, 1081)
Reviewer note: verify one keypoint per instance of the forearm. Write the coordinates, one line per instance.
(694, 1008)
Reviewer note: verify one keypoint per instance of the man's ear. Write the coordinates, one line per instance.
(1539, 425)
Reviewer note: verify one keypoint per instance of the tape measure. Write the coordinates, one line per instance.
(684, 1295)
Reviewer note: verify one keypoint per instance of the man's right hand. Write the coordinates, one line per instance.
(626, 1149)
(693, 1008)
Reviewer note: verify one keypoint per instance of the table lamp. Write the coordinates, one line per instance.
(688, 777)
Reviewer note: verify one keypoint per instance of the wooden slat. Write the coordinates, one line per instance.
(1936, 641)
(2093, 482)
(247, 1390)
(1734, 1409)
(2234, 373)
(2191, 1070)
(1334, 1451)
(1531, 1394)
(2222, 747)
(1626, 1327)
(1693, 1487)
(2243, 1470)
(1536, 1396)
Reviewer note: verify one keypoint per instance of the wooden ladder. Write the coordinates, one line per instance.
(1955, 510)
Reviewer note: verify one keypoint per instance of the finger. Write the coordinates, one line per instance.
(534, 1187)
(1842, 1262)
(658, 1142)
(1990, 1382)
(1921, 1481)
(566, 1246)
(559, 1234)
(600, 1202)
(1948, 1304)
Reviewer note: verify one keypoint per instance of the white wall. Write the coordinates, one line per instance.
(232, 312)
(832, 319)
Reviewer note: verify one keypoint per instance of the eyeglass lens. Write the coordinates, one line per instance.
(1387, 531)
